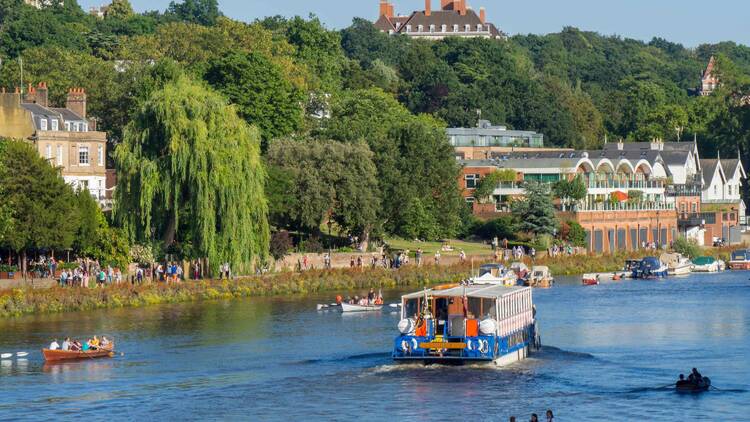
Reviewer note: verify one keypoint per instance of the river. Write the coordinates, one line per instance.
(607, 351)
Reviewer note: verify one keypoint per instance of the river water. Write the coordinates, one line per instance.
(607, 351)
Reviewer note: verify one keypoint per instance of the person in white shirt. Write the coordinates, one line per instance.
(66, 344)
(54, 345)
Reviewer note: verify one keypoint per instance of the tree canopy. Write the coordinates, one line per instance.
(189, 171)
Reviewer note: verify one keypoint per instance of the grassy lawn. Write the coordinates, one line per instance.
(429, 248)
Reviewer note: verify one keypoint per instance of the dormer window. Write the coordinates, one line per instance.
(43, 124)
(67, 126)
(432, 29)
(420, 28)
(444, 28)
(76, 127)
(408, 28)
(55, 124)
(479, 28)
(398, 25)
(467, 28)
(455, 28)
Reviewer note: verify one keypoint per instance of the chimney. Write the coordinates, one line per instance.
(460, 5)
(77, 101)
(42, 94)
(427, 7)
(30, 95)
(384, 8)
(482, 15)
(391, 10)
(447, 4)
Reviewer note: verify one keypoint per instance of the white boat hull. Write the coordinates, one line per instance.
(345, 307)
(682, 270)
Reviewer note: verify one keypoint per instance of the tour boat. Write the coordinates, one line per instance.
(346, 307)
(650, 267)
(740, 260)
(677, 264)
(496, 274)
(66, 355)
(476, 323)
(590, 279)
(706, 264)
(541, 277)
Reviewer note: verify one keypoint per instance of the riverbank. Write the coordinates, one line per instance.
(16, 302)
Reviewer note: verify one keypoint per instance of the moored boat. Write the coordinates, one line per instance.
(706, 264)
(541, 277)
(467, 324)
(650, 267)
(347, 307)
(496, 274)
(686, 386)
(68, 355)
(677, 264)
(740, 260)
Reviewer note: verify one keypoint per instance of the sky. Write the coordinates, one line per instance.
(684, 21)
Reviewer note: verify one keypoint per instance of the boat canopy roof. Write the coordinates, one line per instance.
(704, 260)
(741, 255)
(477, 290)
(492, 266)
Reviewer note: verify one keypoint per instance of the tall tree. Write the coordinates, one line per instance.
(189, 171)
(324, 179)
(202, 12)
(42, 205)
(536, 213)
(257, 86)
(119, 9)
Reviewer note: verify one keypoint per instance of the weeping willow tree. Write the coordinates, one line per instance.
(190, 174)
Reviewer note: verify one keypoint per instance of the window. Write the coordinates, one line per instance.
(83, 156)
(467, 28)
(84, 127)
(683, 206)
(100, 155)
(67, 126)
(455, 28)
(479, 28)
(472, 180)
(444, 28)
(59, 155)
(420, 28)
(470, 200)
(398, 25)
(43, 124)
(432, 29)
(48, 152)
(55, 124)
(408, 28)
(695, 207)
(716, 190)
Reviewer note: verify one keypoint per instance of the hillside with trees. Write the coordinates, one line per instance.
(370, 107)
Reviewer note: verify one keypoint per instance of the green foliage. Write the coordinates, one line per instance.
(416, 169)
(576, 234)
(142, 255)
(686, 247)
(501, 228)
(119, 9)
(323, 179)
(535, 213)
(488, 184)
(42, 206)
(264, 97)
(202, 12)
(189, 171)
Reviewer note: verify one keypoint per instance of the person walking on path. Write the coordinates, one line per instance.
(419, 257)
(437, 257)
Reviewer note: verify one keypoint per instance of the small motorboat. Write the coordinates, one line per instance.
(346, 307)
(707, 264)
(590, 279)
(541, 277)
(677, 264)
(740, 260)
(496, 274)
(651, 268)
(686, 386)
(68, 355)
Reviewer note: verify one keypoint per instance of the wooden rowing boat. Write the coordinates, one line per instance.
(63, 355)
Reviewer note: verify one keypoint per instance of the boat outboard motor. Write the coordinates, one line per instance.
(406, 326)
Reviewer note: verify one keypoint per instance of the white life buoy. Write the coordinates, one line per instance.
(469, 345)
(414, 344)
(404, 346)
(484, 346)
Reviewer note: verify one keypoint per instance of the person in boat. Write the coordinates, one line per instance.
(371, 297)
(695, 377)
(105, 342)
(75, 346)
(94, 343)
(66, 344)
(54, 345)
(682, 378)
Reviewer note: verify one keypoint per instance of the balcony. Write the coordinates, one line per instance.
(624, 206)
(677, 191)
(696, 219)
(622, 183)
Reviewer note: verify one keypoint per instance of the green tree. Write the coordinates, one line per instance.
(202, 12)
(259, 90)
(570, 191)
(490, 182)
(576, 234)
(325, 179)
(535, 212)
(42, 213)
(189, 171)
(119, 9)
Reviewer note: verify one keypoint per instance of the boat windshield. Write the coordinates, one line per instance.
(739, 256)
(411, 308)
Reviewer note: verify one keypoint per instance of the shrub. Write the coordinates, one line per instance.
(687, 247)
(281, 244)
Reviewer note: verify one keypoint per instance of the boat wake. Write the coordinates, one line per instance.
(550, 352)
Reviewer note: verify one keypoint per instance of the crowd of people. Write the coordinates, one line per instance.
(79, 346)
(371, 299)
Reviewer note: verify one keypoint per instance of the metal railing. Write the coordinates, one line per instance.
(624, 206)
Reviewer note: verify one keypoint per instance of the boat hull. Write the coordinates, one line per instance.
(66, 355)
(683, 270)
(345, 307)
(739, 265)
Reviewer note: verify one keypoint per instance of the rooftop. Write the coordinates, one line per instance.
(485, 291)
